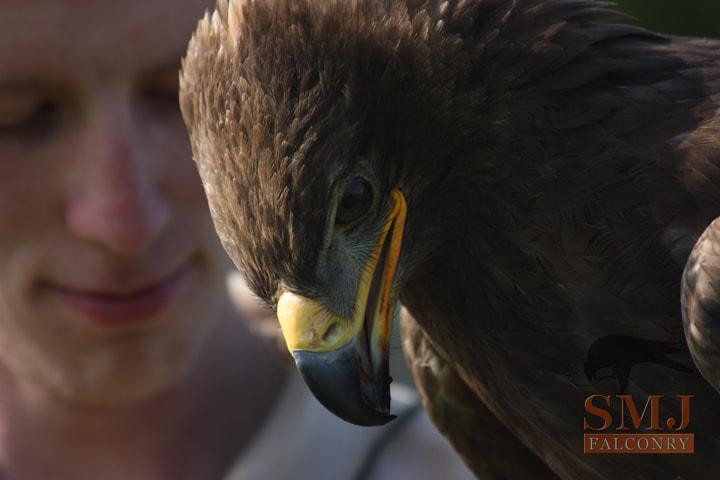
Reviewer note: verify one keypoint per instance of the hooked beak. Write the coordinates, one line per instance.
(344, 361)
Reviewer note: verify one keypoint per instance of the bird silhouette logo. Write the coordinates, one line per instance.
(622, 352)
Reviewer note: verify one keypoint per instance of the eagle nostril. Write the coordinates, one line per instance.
(333, 333)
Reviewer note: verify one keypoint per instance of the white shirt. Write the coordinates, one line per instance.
(300, 440)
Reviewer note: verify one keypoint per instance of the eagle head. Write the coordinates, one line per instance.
(319, 138)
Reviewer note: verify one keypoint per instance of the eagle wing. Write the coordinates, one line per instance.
(699, 158)
(485, 444)
(701, 304)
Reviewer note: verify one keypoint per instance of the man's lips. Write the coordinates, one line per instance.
(123, 306)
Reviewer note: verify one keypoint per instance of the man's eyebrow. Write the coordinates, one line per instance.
(24, 83)
(30, 77)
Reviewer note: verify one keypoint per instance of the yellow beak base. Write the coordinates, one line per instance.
(344, 361)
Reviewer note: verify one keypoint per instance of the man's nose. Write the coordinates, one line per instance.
(117, 200)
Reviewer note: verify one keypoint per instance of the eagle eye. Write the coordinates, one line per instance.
(356, 200)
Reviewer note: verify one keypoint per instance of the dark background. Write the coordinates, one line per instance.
(698, 18)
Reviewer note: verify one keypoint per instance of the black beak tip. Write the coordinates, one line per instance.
(335, 380)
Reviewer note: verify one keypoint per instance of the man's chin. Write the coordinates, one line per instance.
(113, 392)
(114, 373)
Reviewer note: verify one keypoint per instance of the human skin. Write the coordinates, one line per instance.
(99, 204)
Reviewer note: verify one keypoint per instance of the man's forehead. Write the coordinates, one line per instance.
(86, 38)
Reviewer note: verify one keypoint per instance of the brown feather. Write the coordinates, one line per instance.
(701, 304)
(558, 171)
(485, 444)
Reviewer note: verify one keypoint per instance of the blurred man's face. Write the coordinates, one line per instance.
(110, 274)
